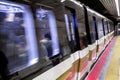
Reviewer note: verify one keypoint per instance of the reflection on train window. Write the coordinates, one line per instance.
(105, 26)
(111, 26)
(47, 36)
(92, 31)
(13, 41)
(70, 27)
(82, 29)
(12, 38)
(108, 26)
(92, 28)
(62, 32)
(100, 28)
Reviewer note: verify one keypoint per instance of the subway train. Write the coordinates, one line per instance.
(52, 39)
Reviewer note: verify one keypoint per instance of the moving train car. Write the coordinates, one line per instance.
(52, 39)
(17, 40)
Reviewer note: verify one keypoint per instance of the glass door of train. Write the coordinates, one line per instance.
(75, 20)
(91, 30)
(72, 29)
(106, 31)
(17, 36)
(105, 26)
(52, 39)
(47, 36)
(100, 35)
(73, 38)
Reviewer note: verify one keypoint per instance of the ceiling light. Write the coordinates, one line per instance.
(117, 6)
(62, 0)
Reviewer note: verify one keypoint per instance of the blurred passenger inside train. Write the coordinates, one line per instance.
(3, 66)
(12, 36)
(83, 42)
(12, 29)
(19, 31)
(47, 42)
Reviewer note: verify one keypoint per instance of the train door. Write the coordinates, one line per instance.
(95, 24)
(50, 20)
(100, 35)
(103, 31)
(108, 26)
(103, 26)
(111, 30)
(96, 31)
(83, 36)
(47, 35)
(73, 37)
(72, 29)
(17, 36)
(92, 35)
(75, 15)
(106, 32)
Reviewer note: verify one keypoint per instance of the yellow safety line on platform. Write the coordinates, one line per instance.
(113, 69)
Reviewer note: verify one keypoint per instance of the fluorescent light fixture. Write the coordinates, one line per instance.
(117, 6)
(62, 0)
(78, 3)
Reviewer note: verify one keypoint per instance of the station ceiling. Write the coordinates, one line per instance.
(105, 7)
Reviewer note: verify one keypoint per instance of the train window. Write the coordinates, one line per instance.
(92, 28)
(47, 35)
(108, 26)
(95, 25)
(105, 26)
(51, 34)
(63, 30)
(111, 26)
(100, 27)
(17, 36)
(82, 28)
(72, 29)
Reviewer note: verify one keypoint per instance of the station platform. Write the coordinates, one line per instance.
(108, 65)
